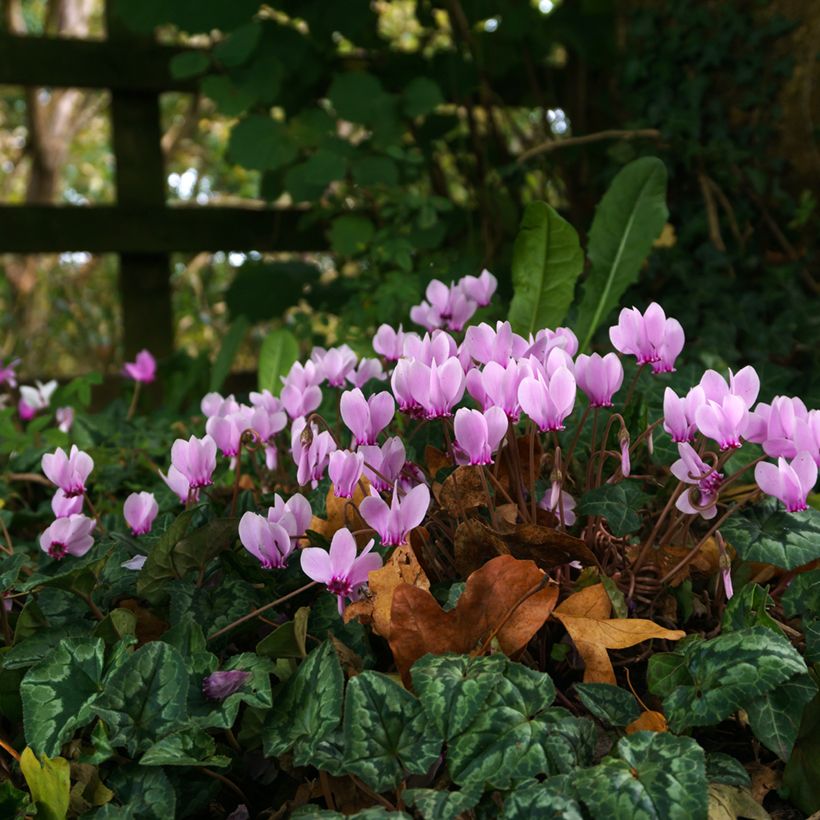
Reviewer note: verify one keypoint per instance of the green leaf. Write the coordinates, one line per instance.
(143, 793)
(769, 535)
(59, 692)
(421, 96)
(238, 46)
(666, 671)
(721, 768)
(308, 708)
(627, 221)
(261, 144)
(14, 804)
(551, 799)
(610, 704)
(652, 775)
(547, 261)
(386, 734)
(802, 595)
(227, 353)
(350, 233)
(748, 608)
(262, 291)
(189, 64)
(801, 777)
(434, 804)
(159, 566)
(191, 746)
(727, 673)
(775, 717)
(618, 503)
(231, 99)
(356, 96)
(144, 699)
(279, 351)
(118, 624)
(287, 640)
(49, 784)
(370, 171)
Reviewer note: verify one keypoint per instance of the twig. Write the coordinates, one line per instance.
(585, 139)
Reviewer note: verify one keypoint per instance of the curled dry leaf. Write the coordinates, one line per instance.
(149, 627)
(585, 616)
(648, 722)
(504, 599)
(435, 460)
(374, 609)
(547, 546)
(474, 544)
(462, 490)
(342, 512)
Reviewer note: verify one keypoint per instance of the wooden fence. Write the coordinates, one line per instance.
(141, 228)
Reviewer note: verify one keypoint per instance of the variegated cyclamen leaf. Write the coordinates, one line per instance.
(551, 799)
(651, 775)
(191, 746)
(58, 693)
(386, 734)
(141, 793)
(728, 673)
(436, 804)
(144, 699)
(610, 704)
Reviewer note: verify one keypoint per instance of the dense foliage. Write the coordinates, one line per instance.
(480, 573)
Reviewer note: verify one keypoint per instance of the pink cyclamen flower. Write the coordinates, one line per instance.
(547, 339)
(366, 370)
(136, 563)
(25, 411)
(366, 418)
(383, 465)
(311, 451)
(559, 502)
(487, 344)
(213, 404)
(195, 459)
(624, 446)
(38, 397)
(7, 373)
(691, 469)
(345, 469)
(548, 403)
(479, 288)
(650, 337)
(336, 363)
(301, 394)
(65, 418)
(179, 484)
(63, 506)
(790, 482)
(68, 472)
(724, 422)
(143, 369)
(394, 522)
(600, 377)
(269, 542)
(340, 569)
(500, 385)
(68, 536)
(389, 342)
(294, 515)
(227, 430)
(219, 685)
(679, 413)
(436, 346)
(745, 384)
(139, 511)
(437, 387)
(479, 434)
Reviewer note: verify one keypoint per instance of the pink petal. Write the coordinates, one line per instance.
(316, 564)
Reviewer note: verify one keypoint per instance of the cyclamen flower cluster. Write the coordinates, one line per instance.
(451, 307)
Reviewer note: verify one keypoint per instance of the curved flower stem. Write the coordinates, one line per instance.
(592, 443)
(132, 408)
(632, 385)
(94, 513)
(738, 473)
(515, 469)
(581, 423)
(237, 475)
(533, 475)
(259, 611)
(647, 545)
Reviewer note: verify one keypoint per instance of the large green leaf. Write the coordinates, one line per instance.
(610, 704)
(436, 804)
(728, 673)
(653, 775)
(48, 781)
(551, 799)
(627, 221)
(160, 565)
(803, 595)
(386, 734)
(801, 777)
(261, 143)
(775, 717)
(769, 535)
(58, 693)
(262, 291)
(227, 352)
(279, 351)
(618, 503)
(143, 793)
(144, 699)
(308, 709)
(547, 261)
(190, 746)
(749, 607)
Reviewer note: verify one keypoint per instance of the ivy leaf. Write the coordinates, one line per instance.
(653, 775)
(769, 535)
(729, 672)
(775, 717)
(309, 707)
(386, 735)
(627, 221)
(279, 351)
(547, 261)
(48, 781)
(59, 691)
(618, 504)
(144, 699)
(610, 704)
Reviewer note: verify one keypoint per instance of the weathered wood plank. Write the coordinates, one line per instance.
(73, 63)
(128, 229)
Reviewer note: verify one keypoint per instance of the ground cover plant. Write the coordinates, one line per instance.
(479, 572)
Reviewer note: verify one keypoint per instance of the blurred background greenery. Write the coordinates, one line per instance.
(413, 133)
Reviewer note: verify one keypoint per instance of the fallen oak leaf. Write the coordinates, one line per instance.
(648, 722)
(374, 608)
(548, 547)
(462, 490)
(586, 619)
(343, 512)
(474, 545)
(505, 600)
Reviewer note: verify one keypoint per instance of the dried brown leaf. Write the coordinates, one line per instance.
(435, 460)
(502, 599)
(342, 512)
(648, 722)
(462, 490)
(547, 546)
(475, 544)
